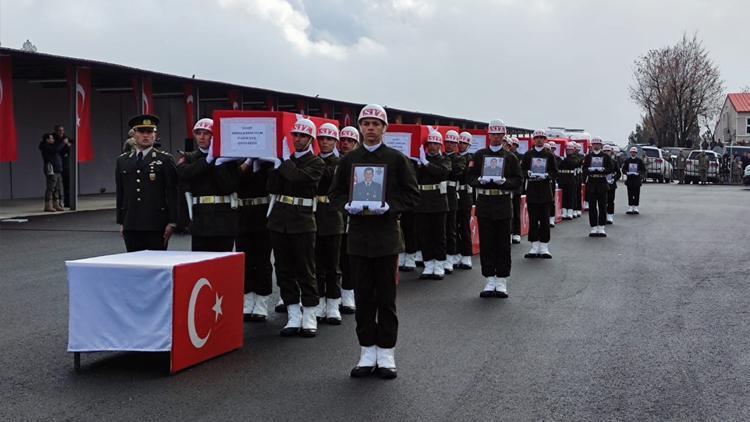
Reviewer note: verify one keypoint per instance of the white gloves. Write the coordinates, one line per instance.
(276, 162)
(285, 151)
(256, 165)
(221, 160)
(536, 176)
(491, 179)
(210, 156)
(485, 180)
(354, 207)
(381, 209)
(423, 156)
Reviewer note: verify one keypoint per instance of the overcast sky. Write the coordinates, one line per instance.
(532, 63)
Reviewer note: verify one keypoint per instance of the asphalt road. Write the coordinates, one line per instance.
(651, 323)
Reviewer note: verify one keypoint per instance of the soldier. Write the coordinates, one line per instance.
(495, 210)
(568, 180)
(212, 186)
(550, 147)
(465, 204)
(578, 204)
(516, 198)
(146, 187)
(596, 167)
(374, 243)
(633, 169)
(412, 256)
(330, 223)
(540, 167)
(681, 160)
(253, 238)
(348, 142)
(432, 172)
(291, 223)
(612, 179)
(455, 177)
(703, 167)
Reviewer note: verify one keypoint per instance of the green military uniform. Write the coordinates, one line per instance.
(330, 224)
(456, 176)
(430, 212)
(597, 189)
(539, 195)
(567, 178)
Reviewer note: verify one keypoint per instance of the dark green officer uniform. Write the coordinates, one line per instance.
(432, 207)
(292, 227)
(539, 195)
(330, 224)
(459, 164)
(568, 180)
(463, 212)
(146, 190)
(374, 242)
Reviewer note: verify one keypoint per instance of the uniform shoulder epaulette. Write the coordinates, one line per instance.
(163, 152)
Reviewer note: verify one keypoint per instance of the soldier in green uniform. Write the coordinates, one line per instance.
(540, 166)
(634, 169)
(374, 242)
(146, 190)
(495, 210)
(596, 166)
(348, 142)
(578, 204)
(516, 199)
(612, 179)
(464, 242)
(568, 180)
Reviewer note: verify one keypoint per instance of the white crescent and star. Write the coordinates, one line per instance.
(80, 90)
(197, 340)
(189, 99)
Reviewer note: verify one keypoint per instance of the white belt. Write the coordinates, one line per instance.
(291, 200)
(226, 199)
(452, 183)
(261, 200)
(492, 192)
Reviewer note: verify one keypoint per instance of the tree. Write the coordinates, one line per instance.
(679, 89)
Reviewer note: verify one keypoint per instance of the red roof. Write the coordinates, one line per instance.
(740, 102)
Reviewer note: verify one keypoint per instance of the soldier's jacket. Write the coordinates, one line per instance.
(633, 180)
(377, 235)
(597, 181)
(433, 173)
(298, 178)
(206, 179)
(497, 207)
(329, 219)
(146, 193)
(459, 164)
(539, 191)
(465, 198)
(253, 185)
(566, 174)
(521, 189)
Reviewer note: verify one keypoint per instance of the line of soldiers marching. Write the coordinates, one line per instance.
(334, 255)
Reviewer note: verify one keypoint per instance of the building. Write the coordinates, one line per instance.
(42, 98)
(733, 126)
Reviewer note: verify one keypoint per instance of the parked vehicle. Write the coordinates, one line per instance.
(658, 168)
(746, 177)
(692, 172)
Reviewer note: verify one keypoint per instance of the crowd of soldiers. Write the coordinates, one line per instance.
(333, 253)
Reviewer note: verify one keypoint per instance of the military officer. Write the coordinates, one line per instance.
(432, 173)
(633, 169)
(348, 142)
(568, 180)
(291, 223)
(330, 224)
(374, 242)
(146, 190)
(550, 147)
(465, 204)
(516, 197)
(540, 166)
(495, 210)
(212, 186)
(578, 204)
(596, 166)
(612, 179)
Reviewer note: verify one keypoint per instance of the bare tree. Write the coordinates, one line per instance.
(679, 89)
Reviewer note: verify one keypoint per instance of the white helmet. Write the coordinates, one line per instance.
(570, 145)
(578, 146)
(349, 132)
(515, 141)
(204, 124)
(634, 149)
(435, 137)
(452, 136)
(305, 127)
(330, 130)
(607, 148)
(497, 126)
(465, 138)
(596, 140)
(539, 133)
(373, 111)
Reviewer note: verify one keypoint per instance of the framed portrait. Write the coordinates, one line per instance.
(597, 163)
(368, 184)
(538, 166)
(493, 166)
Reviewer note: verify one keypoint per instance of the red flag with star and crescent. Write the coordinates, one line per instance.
(8, 140)
(189, 109)
(83, 115)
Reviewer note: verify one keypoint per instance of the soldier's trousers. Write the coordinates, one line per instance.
(347, 283)
(212, 243)
(409, 230)
(431, 235)
(494, 247)
(634, 195)
(258, 268)
(611, 201)
(569, 196)
(327, 270)
(463, 218)
(597, 208)
(516, 225)
(553, 204)
(539, 222)
(451, 236)
(578, 205)
(375, 298)
(295, 267)
(141, 241)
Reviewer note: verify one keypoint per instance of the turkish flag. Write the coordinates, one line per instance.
(8, 138)
(346, 116)
(145, 95)
(207, 318)
(189, 109)
(234, 99)
(83, 115)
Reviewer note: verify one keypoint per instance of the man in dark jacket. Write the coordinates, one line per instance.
(465, 204)
(52, 166)
(612, 179)
(540, 166)
(494, 209)
(568, 180)
(517, 193)
(634, 170)
(62, 138)
(596, 166)
(146, 190)
(455, 177)
(348, 142)
(374, 242)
